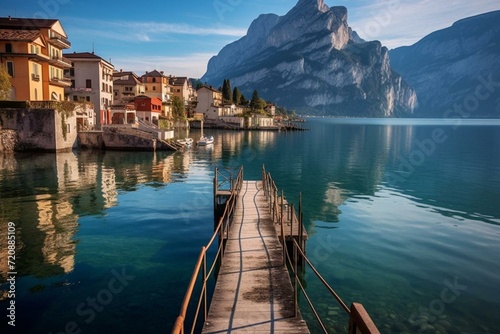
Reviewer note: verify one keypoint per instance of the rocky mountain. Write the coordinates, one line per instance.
(310, 60)
(455, 71)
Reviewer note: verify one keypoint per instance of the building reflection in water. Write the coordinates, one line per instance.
(46, 194)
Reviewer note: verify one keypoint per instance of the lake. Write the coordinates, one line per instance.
(403, 216)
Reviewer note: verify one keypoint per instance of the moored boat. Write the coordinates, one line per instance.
(204, 141)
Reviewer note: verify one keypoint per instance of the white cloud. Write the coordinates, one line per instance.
(402, 21)
(192, 65)
(145, 31)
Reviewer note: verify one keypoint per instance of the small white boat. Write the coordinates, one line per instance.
(204, 141)
(185, 141)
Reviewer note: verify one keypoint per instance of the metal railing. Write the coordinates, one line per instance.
(201, 264)
(281, 212)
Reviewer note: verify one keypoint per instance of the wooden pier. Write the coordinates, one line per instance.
(260, 240)
(254, 292)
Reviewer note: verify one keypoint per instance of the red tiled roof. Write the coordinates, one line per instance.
(178, 81)
(85, 55)
(18, 35)
(154, 73)
(25, 23)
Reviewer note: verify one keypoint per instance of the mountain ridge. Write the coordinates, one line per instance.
(311, 60)
(448, 66)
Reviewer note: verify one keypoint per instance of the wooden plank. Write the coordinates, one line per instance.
(253, 292)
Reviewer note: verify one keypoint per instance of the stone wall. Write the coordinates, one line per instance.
(38, 130)
(127, 139)
(8, 140)
(91, 140)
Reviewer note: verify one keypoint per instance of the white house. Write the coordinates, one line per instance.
(91, 81)
(209, 103)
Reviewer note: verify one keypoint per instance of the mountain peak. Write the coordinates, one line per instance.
(318, 4)
(311, 60)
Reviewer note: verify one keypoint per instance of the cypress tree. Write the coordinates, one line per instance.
(227, 93)
(236, 96)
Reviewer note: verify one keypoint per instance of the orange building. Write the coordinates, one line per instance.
(148, 108)
(31, 51)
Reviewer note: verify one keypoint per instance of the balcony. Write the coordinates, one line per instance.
(82, 90)
(35, 77)
(60, 62)
(59, 41)
(60, 82)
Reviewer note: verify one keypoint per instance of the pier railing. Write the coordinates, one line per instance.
(200, 269)
(283, 213)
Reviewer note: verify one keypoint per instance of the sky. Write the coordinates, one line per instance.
(179, 37)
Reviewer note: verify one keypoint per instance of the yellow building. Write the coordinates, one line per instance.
(31, 51)
(158, 85)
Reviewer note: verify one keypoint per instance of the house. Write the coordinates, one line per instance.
(148, 109)
(92, 81)
(126, 86)
(123, 115)
(181, 88)
(31, 50)
(271, 109)
(260, 122)
(232, 110)
(158, 85)
(209, 102)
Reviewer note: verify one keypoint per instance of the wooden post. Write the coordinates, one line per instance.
(205, 299)
(283, 231)
(299, 237)
(360, 321)
(295, 287)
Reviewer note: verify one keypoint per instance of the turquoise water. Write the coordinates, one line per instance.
(402, 215)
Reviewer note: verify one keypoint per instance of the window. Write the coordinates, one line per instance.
(8, 48)
(88, 83)
(10, 68)
(75, 98)
(103, 87)
(154, 79)
(72, 71)
(154, 87)
(87, 98)
(68, 128)
(73, 83)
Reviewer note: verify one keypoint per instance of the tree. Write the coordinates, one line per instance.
(227, 94)
(5, 85)
(254, 102)
(237, 96)
(178, 108)
(243, 100)
(261, 105)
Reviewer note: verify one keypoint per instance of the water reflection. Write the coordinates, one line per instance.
(46, 194)
(353, 162)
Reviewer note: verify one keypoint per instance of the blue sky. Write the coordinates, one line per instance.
(179, 37)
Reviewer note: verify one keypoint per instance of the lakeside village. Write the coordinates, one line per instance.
(51, 100)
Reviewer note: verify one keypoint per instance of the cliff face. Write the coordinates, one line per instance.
(310, 60)
(456, 66)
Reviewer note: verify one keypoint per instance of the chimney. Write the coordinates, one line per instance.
(161, 72)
